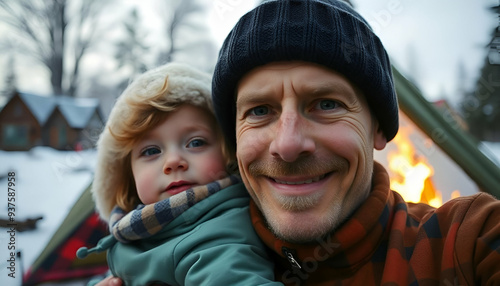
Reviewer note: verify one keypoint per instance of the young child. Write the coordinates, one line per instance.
(162, 183)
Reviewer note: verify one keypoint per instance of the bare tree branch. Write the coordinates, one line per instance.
(42, 26)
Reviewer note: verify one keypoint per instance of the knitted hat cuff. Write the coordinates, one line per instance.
(329, 33)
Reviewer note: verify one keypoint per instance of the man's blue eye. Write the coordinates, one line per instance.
(196, 143)
(260, 110)
(150, 151)
(327, 104)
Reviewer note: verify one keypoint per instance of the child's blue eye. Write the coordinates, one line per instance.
(196, 143)
(150, 151)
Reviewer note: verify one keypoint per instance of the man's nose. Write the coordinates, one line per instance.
(174, 162)
(291, 139)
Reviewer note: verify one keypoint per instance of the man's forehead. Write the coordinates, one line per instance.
(309, 77)
(284, 65)
(279, 66)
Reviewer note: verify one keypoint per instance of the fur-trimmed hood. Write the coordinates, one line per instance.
(185, 85)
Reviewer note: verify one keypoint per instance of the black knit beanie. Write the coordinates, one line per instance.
(326, 32)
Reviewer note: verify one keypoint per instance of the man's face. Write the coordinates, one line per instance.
(305, 140)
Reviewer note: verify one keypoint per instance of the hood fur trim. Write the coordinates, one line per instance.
(185, 85)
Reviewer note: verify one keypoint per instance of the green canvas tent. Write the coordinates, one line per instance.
(57, 261)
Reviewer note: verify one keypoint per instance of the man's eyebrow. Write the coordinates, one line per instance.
(349, 93)
(329, 87)
(251, 97)
(258, 96)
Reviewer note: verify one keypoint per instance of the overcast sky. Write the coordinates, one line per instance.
(426, 39)
(430, 39)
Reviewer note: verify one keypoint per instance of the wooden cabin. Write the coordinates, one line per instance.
(61, 122)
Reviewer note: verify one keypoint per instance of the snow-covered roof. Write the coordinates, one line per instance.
(41, 106)
(76, 111)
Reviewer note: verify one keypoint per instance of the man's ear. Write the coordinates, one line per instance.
(379, 140)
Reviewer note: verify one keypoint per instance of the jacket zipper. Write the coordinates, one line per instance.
(291, 259)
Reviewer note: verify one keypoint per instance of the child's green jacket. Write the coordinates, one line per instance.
(211, 243)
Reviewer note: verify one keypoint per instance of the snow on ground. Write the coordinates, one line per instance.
(48, 183)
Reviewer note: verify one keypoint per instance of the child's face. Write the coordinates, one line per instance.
(180, 153)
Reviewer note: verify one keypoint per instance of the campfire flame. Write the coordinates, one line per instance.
(411, 173)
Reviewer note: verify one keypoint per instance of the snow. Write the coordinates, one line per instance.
(48, 183)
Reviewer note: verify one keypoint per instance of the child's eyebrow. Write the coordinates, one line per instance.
(199, 127)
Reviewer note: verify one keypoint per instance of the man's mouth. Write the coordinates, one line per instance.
(308, 181)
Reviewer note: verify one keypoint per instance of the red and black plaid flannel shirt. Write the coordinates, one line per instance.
(390, 242)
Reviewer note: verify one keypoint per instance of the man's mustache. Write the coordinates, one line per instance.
(308, 166)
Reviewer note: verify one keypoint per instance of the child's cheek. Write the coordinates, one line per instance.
(144, 183)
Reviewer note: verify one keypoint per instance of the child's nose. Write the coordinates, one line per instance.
(173, 163)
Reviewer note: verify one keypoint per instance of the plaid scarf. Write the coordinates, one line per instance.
(147, 220)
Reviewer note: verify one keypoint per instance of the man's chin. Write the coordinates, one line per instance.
(301, 229)
(298, 235)
(298, 204)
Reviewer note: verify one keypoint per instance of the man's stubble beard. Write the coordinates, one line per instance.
(299, 231)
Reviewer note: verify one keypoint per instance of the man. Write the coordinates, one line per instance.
(303, 90)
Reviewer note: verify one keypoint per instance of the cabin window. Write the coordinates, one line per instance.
(15, 135)
(61, 136)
